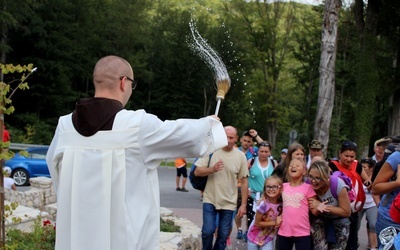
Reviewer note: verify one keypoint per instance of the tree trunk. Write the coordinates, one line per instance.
(326, 92)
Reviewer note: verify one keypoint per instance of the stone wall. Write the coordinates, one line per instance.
(38, 196)
(41, 196)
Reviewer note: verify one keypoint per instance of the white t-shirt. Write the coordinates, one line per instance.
(8, 182)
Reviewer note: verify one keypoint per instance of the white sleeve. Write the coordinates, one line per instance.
(180, 138)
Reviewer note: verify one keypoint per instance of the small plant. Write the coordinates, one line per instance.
(169, 226)
(42, 237)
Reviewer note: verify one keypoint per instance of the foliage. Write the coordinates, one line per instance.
(41, 237)
(168, 226)
(6, 87)
(271, 50)
(8, 211)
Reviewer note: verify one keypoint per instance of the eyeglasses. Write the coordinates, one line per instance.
(134, 83)
(264, 144)
(349, 145)
(274, 187)
(316, 179)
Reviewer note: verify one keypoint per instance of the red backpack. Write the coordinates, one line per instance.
(357, 185)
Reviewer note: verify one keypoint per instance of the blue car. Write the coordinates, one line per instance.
(34, 165)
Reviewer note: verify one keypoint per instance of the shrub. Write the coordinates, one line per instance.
(42, 237)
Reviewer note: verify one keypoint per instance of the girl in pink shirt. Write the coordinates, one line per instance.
(295, 226)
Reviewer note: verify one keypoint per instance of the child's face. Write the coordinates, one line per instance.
(368, 170)
(296, 169)
(273, 188)
(298, 154)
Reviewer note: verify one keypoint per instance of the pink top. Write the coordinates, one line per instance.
(295, 219)
(263, 236)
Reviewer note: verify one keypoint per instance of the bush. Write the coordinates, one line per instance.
(168, 226)
(42, 237)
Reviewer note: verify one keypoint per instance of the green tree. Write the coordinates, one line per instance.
(267, 33)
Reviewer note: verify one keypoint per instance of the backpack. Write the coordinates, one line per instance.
(198, 182)
(347, 181)
(357, 185)
(254, 155)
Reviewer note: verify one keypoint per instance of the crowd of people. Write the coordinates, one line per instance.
(302, 201)
(328, 197)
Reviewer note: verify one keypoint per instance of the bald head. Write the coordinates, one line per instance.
(106, 78)
(231, 134)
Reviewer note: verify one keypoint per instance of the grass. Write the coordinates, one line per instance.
(169, 226)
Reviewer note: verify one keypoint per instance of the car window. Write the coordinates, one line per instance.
(38, 153)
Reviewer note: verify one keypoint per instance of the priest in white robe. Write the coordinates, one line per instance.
(103, 161)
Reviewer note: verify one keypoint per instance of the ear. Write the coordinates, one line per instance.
(122, 84)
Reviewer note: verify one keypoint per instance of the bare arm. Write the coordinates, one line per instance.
(260, 223)
(255, 135)
(313, 209)
(377, 199)
(344, 209)
(382, 183)
(205, 171)
(244, 191)
(366, 179)
(14, 187)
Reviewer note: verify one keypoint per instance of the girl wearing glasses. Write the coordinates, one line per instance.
(331, 228)
(262, 230)
(261, 169)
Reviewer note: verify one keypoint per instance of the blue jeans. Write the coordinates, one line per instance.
(209, 226)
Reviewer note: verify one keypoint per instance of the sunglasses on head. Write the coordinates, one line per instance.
(349, 145)
(368, 161)
(264, 144)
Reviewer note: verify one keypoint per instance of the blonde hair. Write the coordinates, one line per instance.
(322, 167)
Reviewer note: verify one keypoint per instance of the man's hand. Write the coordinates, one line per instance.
(241, 211)
(219, 166)
(253, 133)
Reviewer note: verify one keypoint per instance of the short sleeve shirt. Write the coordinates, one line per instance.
(330, 199)
(221, 188)
(295, 216)
(261, 236)
(383, 208)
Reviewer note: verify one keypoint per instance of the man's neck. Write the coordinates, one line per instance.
(227, 149)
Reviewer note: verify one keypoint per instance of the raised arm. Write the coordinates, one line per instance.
(255, 135)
